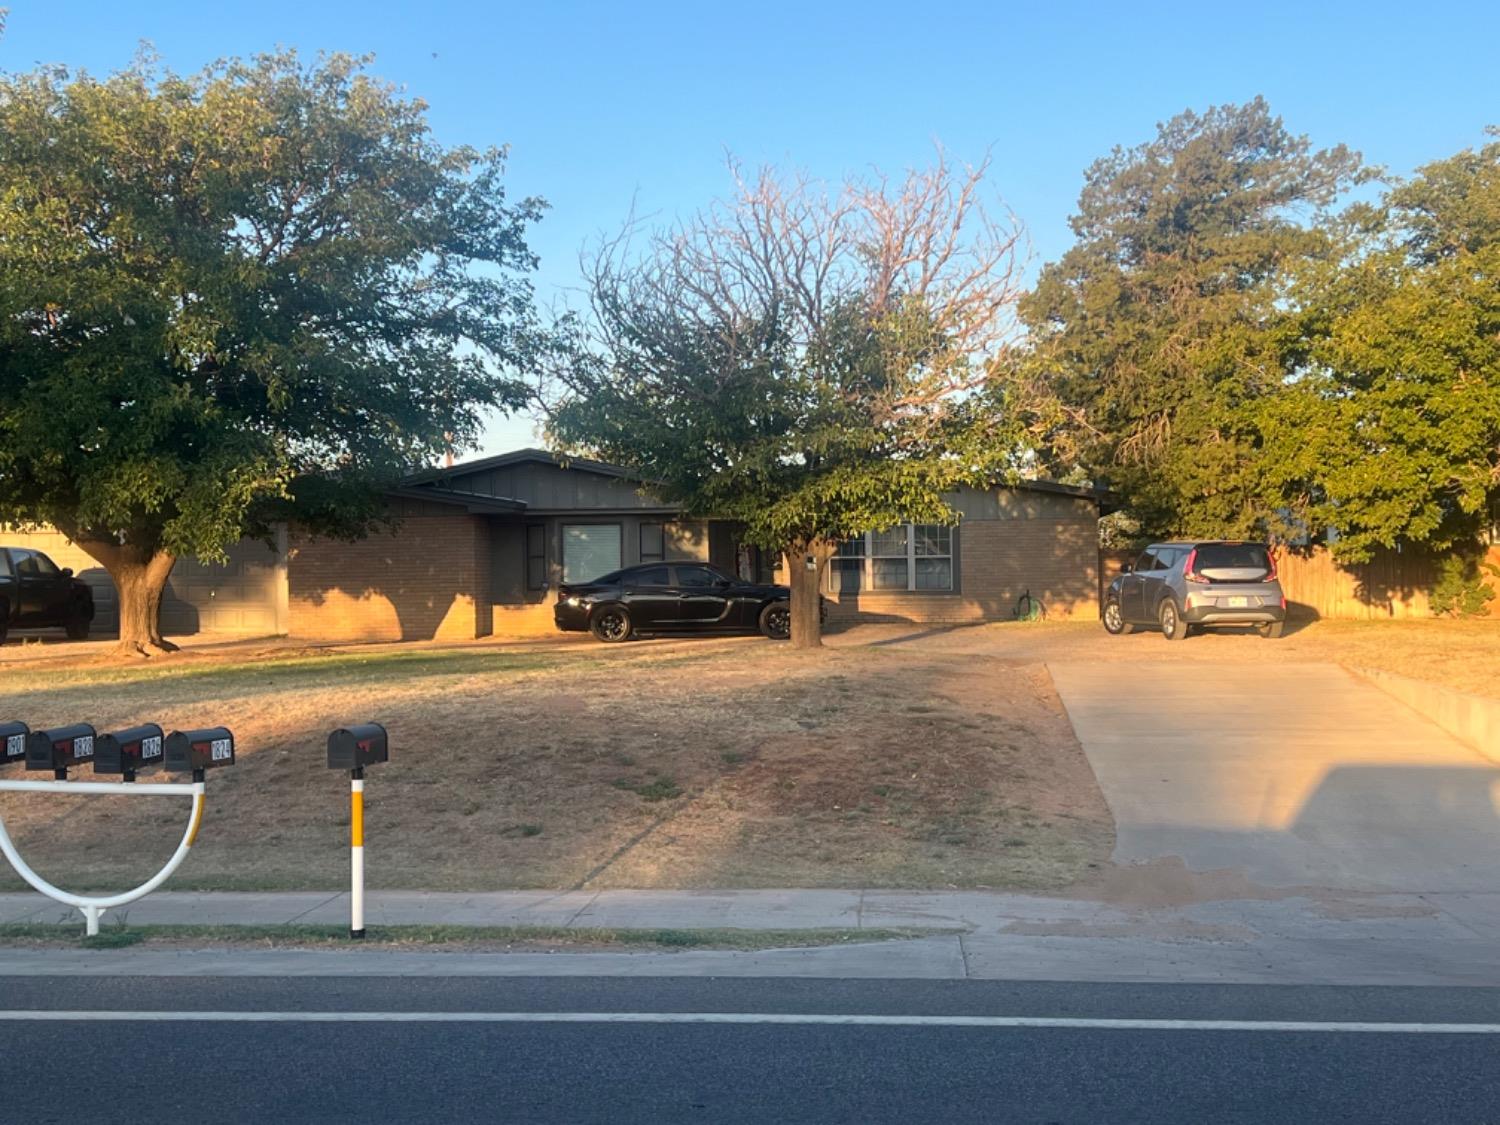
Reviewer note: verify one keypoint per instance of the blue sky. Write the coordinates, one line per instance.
(605, 103)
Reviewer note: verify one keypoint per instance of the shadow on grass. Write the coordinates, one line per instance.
(252, 678)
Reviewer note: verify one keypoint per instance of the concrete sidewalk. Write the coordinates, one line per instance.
(1310, 937)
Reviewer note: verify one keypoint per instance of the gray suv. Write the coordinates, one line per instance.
(1184, 587)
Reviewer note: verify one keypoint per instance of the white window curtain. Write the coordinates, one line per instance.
(590, 550)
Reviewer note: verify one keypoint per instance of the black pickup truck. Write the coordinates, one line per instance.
(34, 592)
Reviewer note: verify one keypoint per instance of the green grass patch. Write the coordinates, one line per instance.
(657, 789)
(69, 936)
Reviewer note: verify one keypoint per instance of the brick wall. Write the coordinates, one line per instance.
(998, 561)
(427, 580)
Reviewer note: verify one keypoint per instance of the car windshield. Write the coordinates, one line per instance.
(1214, 559)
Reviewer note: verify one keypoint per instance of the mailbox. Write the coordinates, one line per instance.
(358, 746)
(199, 749)
(13, 742)
(59, 748)
(128, 752)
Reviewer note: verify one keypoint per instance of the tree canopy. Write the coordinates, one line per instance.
(1157, 336)
(258, 291)
(801, 360)
(1390, 434)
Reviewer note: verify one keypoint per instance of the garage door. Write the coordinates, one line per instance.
(245, 596)
(237, 597)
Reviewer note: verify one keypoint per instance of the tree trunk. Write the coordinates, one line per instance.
(805, 582)
(140, 575)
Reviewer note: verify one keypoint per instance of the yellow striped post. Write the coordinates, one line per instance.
(357, 853)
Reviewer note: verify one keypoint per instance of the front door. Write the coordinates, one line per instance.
(704, 595)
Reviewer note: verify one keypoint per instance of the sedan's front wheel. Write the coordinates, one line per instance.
(611, 624)
(776, 621)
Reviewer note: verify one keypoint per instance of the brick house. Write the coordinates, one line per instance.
(481, 546)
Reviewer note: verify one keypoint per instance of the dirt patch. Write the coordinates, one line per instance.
(1148, 929)
(723, 764)
(1168, 882)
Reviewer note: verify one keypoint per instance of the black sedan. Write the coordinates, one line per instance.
(678, 597)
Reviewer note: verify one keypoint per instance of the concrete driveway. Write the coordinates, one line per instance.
(1295, 774)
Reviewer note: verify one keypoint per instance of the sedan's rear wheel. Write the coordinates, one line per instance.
(776, 621)
(611, 624)
(1173, 627)
(1114, 620)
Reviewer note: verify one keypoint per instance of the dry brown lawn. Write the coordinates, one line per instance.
(687, 764)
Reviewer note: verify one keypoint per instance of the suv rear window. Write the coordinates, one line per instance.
(1232, 562)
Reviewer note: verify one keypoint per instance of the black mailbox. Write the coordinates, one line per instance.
(358, 746)
(199, 749)
(128, 752)
(60, 747)
(13, 742)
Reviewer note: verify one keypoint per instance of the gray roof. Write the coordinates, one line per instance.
(516, 457)
(436, 484)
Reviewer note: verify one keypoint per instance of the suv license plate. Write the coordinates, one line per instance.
(1238, 602)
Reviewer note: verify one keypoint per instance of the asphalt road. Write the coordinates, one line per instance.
(467, 1049)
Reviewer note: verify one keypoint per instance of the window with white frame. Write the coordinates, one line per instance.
(909, 557)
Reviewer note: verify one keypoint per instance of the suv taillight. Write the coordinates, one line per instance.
(1187, 568)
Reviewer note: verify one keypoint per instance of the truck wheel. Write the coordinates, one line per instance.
(77, 625)
(4, 620)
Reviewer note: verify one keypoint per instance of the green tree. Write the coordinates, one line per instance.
(802, 361)
(1158, 334)
(1390, 436)
(253, 293)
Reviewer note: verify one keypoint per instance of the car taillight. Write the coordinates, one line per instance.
(1187, 568)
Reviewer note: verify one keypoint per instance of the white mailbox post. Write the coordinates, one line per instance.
(67, 747)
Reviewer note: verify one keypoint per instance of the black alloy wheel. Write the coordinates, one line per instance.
(776, 621)
(611, 624)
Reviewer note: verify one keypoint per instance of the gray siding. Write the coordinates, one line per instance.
(1020, 504)
(546, 487)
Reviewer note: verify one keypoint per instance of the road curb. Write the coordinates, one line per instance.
(1472, 719)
